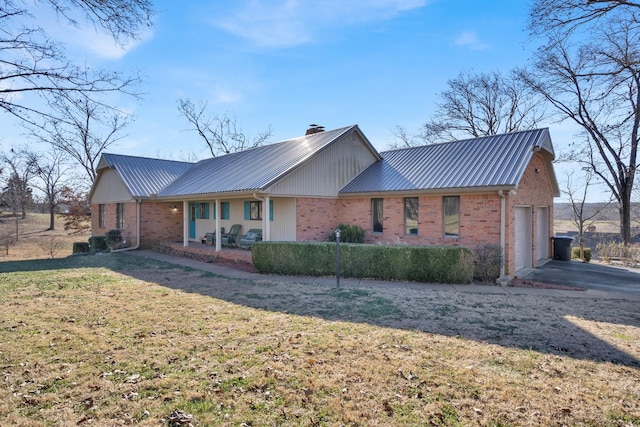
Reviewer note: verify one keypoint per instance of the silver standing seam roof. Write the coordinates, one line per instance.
(143, 176)
(492, 161)
(497, 161)
(251, 170)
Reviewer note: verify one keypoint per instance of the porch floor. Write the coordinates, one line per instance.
(206, 253)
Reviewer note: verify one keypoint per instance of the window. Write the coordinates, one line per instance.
(451, 216)
(120, 216)
(203, 211)
(411, 216)
(101, 216)
(224, 207)
(376, 215)
(255, 210)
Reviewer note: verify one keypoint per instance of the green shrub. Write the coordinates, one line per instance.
(575, 253)
(97, 243)
(434, 264)
(487, 261)
(113, 238)
(348, 234)
(80, 247)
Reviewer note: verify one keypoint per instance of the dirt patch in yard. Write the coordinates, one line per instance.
(524, 283)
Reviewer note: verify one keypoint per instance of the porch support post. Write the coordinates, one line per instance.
(218, 215)
(185, 223)
(266, 220)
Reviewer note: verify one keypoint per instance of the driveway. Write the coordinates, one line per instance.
(591, 275)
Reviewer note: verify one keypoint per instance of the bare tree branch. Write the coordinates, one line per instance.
(83, 130)
(222, 134)
(31, 62)
(595, 82)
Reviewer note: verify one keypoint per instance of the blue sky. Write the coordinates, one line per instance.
(287, 64)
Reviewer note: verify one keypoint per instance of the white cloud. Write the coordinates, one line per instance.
(287, 23)
(470, 39)
(84, 37)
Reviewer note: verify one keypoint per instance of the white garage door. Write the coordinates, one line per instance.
(523, 226)
(542, 233)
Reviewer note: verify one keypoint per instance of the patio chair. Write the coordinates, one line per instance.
(231, 238)
(252, 236)
(211, 237)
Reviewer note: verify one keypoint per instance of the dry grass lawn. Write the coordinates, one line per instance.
(30, 239)
(118, 339)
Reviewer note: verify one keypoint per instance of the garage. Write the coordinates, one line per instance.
(523, 237)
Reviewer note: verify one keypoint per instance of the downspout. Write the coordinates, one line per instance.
(502, 229)
(137, 231)
(265, 217)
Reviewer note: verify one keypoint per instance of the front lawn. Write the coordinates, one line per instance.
(117, 339)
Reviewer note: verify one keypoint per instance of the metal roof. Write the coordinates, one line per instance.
(144, 177)
(491, 161)
(251, 170)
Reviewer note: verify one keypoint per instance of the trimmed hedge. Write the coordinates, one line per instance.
(431, 264)
(80, 247)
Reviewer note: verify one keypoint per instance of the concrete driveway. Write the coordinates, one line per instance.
(592, 275)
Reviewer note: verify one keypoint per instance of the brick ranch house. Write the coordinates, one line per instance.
(496, 189)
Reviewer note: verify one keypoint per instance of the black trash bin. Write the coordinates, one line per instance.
(562, 247)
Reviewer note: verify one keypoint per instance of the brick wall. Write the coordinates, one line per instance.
(479, 220)
(160, 223)
(316, 218)
(479, 216)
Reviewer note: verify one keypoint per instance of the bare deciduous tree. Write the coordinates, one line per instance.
(594, 81)
(83, 129)
(578, 198)
(222, 134)
(478, 105)
(50, 171)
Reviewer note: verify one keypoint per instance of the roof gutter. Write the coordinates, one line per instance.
(138, 201)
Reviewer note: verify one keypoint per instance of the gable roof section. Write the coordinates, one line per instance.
(254, 169)
(497, 161)
(143, 176)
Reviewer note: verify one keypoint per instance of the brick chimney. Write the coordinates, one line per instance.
(313, 128)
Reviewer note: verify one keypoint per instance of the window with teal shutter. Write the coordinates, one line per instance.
(214, 211)
(270, 210)
(225, 210)
(247, 210)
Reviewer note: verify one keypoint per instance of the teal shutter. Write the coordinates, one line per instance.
(247, 214)
(206, 211)
(214, 210)
(270, 210)
(225, 210)
(198, 210)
